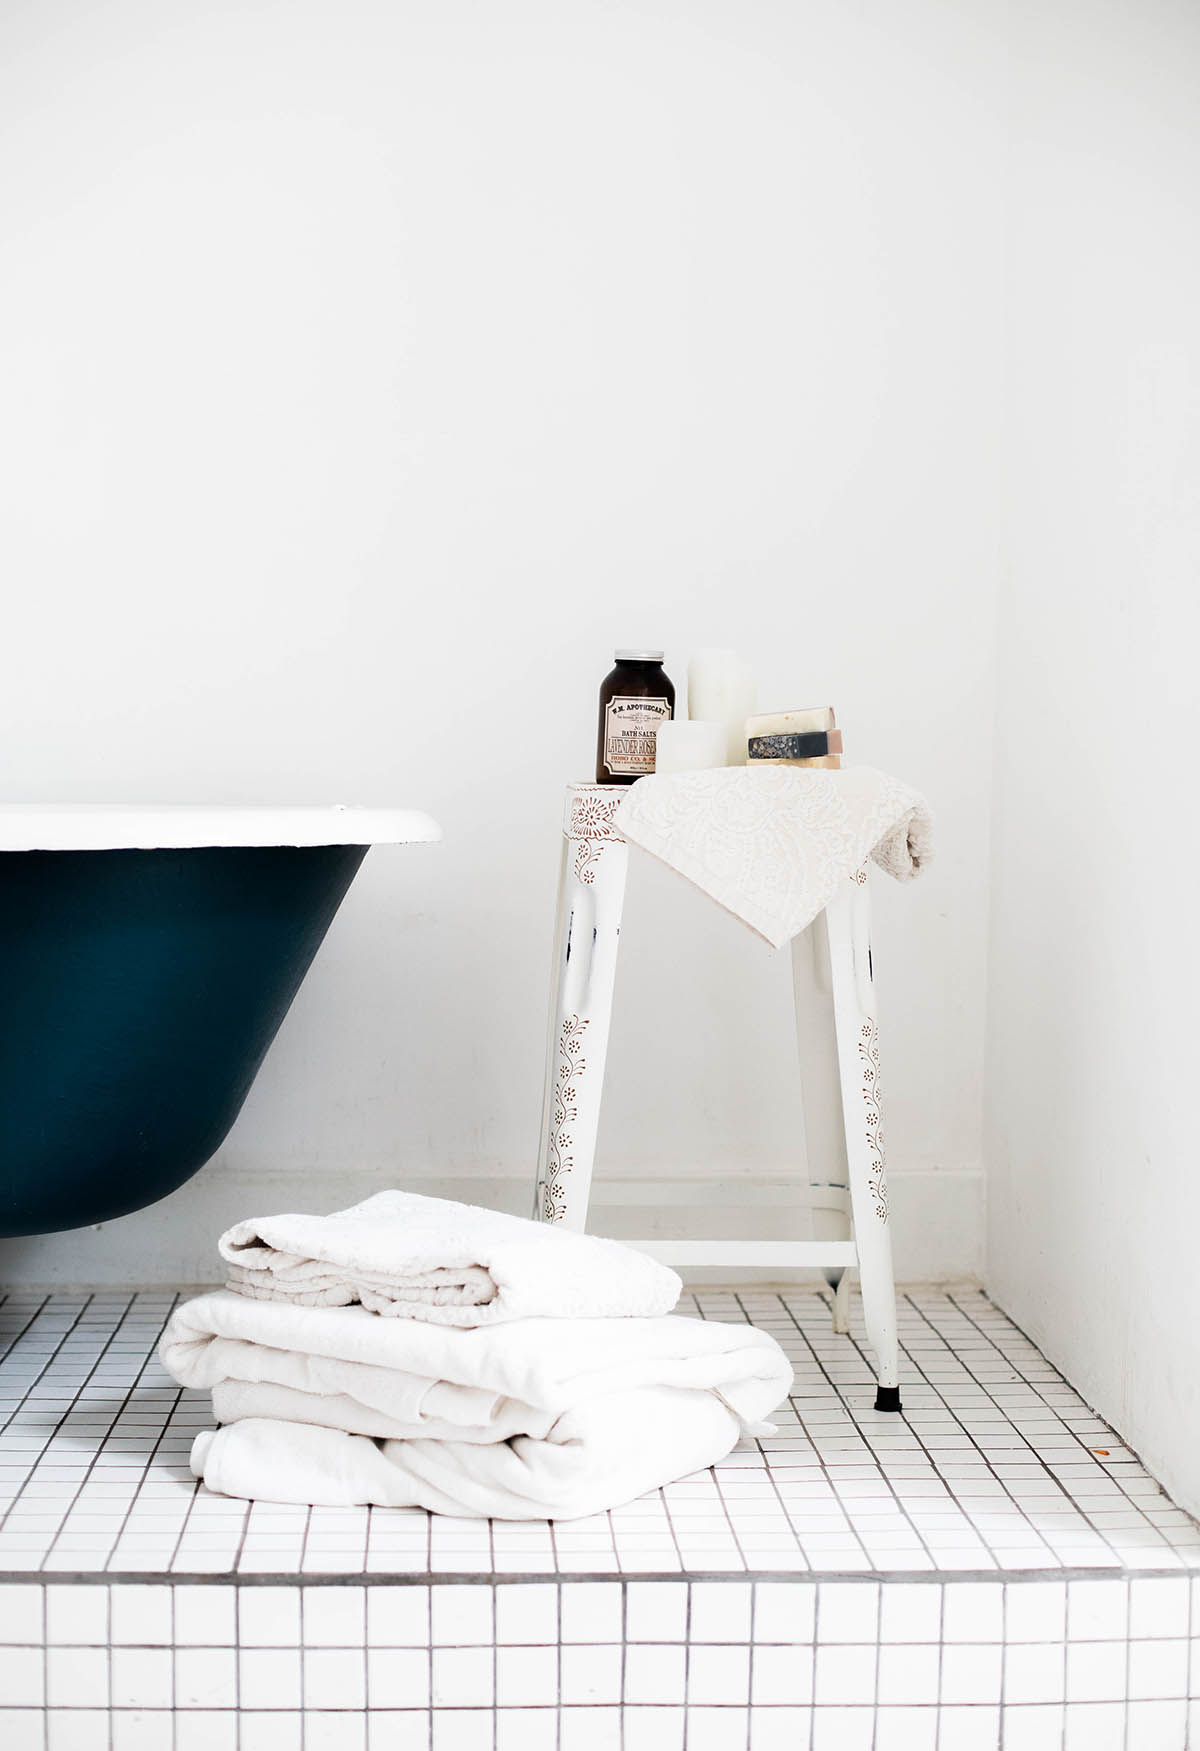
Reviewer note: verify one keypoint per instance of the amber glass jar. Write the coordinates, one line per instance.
(634, 699)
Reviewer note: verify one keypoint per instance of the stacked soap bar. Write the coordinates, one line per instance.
(808, 737)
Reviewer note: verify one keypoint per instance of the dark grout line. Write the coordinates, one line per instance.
(848, 1408)
(18, 1335)
(569, 1578)
(953, 1412)
(151, 1358)
(1061, 1380)
(68, 1332)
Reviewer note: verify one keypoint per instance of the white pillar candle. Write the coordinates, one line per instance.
(721, 689)
(687, 745)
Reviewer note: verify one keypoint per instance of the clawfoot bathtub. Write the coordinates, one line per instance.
(147, 958)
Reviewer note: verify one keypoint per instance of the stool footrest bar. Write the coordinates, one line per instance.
(791, 1253)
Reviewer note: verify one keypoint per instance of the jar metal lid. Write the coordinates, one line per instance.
(639, 656)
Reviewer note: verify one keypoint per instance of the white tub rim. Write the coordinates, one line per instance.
(188, 826)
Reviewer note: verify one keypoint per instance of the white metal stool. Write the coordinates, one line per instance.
(831, 962)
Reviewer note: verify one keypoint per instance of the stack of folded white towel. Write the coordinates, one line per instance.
(415, 1352)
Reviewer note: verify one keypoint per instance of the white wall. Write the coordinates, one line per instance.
(370, 371)
(1094, 1196)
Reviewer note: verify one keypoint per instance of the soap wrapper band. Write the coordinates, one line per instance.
(807, 746)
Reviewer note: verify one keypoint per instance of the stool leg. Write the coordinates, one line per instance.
(591, 892)
(821, 1093)
(848, 916)
(841, 1303)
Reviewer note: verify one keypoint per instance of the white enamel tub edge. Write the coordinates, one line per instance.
(176, 826)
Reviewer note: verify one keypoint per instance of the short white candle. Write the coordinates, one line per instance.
(688, 746)
(721, 689)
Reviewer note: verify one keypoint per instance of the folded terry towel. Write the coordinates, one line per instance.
(542, 1418)
(450, 1264)
(772, 845)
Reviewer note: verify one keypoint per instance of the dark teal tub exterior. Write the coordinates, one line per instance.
(139, 992)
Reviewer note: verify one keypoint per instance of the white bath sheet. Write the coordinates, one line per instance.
(537, 1418)
(450, 1264)
(772, 844)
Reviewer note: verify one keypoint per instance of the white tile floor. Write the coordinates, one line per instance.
(991, 1569)
(996, 1465)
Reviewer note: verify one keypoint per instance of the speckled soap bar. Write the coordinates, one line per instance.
(775, 737)
(809, 745)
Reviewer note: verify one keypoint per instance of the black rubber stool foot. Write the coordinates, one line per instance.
(887, 1398)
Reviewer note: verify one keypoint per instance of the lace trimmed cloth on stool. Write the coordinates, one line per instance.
(773, 846)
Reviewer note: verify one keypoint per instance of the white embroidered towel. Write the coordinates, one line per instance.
(549, 1418)
(771, 845)
(431, 1259)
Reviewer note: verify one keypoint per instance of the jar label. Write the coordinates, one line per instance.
(631, 732)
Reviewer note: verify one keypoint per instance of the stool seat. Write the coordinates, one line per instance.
(833, 974)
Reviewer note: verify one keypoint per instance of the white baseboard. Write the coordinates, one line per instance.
(937, 1220)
